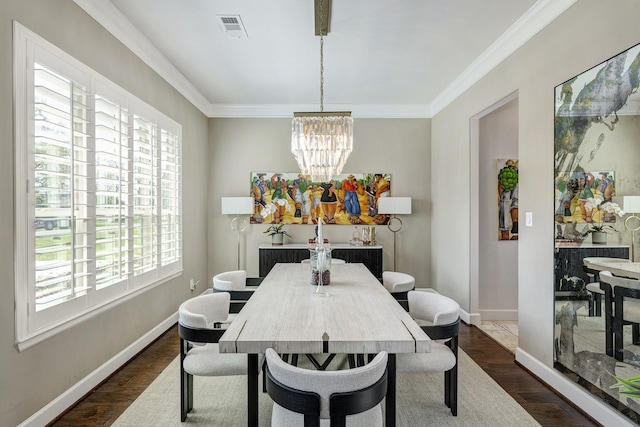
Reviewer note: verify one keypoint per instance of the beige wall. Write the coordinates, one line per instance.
(400, 147)
(580, 38)
(31, 379)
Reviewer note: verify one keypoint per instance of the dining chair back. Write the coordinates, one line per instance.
(398, 284)
(310, 398)
(622, 308)
(439, 317)
(333, 261)
(593, 285)
(199, 327)
(238, 285)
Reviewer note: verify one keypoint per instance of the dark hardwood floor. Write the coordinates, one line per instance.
(105, 404)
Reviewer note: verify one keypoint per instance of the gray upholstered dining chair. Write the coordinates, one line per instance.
(593, 286)
(622, 308)
(199, 326)
(439, 317)
(304, 397)
(238, 285)
(398, 284)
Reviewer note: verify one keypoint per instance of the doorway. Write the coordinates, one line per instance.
(494, 225)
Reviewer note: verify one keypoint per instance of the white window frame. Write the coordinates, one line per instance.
(32, 327)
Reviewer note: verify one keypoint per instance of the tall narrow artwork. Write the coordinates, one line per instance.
(507, 199)
(292, 198)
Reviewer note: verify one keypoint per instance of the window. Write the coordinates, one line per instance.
(98, 191)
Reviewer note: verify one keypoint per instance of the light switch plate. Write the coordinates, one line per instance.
(528, 221)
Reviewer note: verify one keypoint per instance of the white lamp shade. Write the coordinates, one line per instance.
(237, 205)
(394, 205)
(631, 204)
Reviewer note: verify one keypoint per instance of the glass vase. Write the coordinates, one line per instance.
(320, 262)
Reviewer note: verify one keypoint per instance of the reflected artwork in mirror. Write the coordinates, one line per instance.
(597, 163)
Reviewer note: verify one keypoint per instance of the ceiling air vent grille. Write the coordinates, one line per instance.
(232, 26)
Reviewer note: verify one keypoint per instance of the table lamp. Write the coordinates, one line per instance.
(631, 204)
(394, 206)
(237, 206)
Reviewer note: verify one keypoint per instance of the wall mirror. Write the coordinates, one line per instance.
(597, 189)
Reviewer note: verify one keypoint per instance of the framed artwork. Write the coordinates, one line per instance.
(292, 198)
(507, 199)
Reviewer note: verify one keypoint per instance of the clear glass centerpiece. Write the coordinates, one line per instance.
(320, 262)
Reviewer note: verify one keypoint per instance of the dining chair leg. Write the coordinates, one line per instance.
(390, 399)
(447, 388)
(186, 385)
(252, 389)
(264, 375)
(608, 318)
(618, 333)
(453, 390)
(451, 380)
(598, 299)
(184, 398)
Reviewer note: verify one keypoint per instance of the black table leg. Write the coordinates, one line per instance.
(252, 389)
(390, 403)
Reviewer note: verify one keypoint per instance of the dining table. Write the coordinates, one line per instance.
(354, 314)
(622, 268)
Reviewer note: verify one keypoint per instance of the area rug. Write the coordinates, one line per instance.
(222, 401)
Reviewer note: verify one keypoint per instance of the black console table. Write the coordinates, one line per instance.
(370, 256)
(569, 275)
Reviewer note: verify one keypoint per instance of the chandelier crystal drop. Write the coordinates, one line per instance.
(321, 142)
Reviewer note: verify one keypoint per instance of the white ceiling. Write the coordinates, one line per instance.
(382, 58)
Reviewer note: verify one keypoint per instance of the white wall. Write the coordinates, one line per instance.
(400, 147)
(580, 38)
(33, 378)
(498, 259)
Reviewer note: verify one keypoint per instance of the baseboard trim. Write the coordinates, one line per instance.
(594, 407)
(497, 315)
(61, 403)
(470, 318)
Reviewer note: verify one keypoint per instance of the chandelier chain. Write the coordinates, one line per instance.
(321, 56)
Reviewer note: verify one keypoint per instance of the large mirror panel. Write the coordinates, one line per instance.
(597, 193)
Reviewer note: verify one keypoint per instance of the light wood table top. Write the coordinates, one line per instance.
(618, 268)
(358, 316)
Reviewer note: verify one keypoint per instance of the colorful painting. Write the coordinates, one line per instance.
(292, 198)
(581, 199)
(507, 199)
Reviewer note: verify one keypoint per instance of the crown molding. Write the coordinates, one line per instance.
(541, 14)
(107, 15)
(535, 19)
(286, 111)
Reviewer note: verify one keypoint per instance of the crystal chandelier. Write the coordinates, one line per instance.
(321, 142)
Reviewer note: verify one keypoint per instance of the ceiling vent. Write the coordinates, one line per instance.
(232, 26)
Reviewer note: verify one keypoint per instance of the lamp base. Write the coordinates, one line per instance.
(633, 233)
